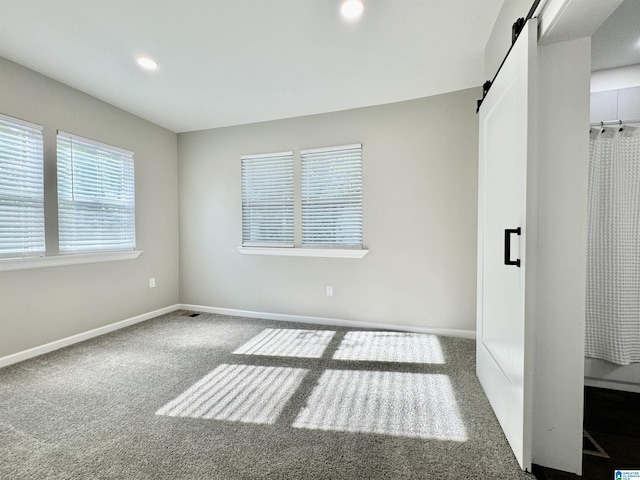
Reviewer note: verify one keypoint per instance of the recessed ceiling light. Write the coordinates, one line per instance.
(352, 9)
(147, 63)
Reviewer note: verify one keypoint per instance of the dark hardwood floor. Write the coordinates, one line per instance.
(612, 420)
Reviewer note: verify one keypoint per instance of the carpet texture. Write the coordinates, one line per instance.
(219, 397)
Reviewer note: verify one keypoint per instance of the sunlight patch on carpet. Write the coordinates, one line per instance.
(240, 393)
(391, 403)
(390, 347)
(282, 342)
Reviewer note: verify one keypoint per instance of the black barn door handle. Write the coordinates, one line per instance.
(507, 246)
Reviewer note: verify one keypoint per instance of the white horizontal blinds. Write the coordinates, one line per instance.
(332, 197)
(267, 200)
(96, 196)
(21, 189)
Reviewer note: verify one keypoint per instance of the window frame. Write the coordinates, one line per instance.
(109, 186)
(323, 205)
(49, 255)
(27, 191)
(269, 204)
(297, 249)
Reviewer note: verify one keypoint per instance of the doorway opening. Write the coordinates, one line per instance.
(612, 388)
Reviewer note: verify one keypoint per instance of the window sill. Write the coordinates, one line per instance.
(27, 263)
(305, 252)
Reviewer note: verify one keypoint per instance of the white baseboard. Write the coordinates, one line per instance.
(336, 322)
(612, 385)
(80, 337)
(604, 374)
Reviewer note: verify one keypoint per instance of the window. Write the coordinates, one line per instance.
(96, 196)
(21, 189)
(332, 197)
(328, 220)
(267, 200)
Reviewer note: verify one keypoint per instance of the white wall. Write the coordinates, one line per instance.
(621, 104)
(420, 206)
(561, 268)
(45, 305)
(500, 39)
(615, 78)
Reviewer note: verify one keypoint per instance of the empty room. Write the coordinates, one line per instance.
(319, 239)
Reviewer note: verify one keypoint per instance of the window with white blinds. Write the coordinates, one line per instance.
(332, 196)
(21, 189)
(267, 200)
(96, 196)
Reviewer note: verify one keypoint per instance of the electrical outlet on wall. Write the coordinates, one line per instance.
(329, 290)
(152, 282)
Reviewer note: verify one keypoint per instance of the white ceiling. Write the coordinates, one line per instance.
(230, 62)
(617, 42)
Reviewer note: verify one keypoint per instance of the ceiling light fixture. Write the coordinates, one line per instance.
(352, 9)
(147, 63)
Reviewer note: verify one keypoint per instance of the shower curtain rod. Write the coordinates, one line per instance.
(612, 122)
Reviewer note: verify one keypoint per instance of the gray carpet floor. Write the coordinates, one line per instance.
(219, 397)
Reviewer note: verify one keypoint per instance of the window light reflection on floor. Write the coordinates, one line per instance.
(242, 393)
(390, 347)
(391, 403)
(282, 342)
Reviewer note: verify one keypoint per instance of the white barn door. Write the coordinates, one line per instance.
(507, 125)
